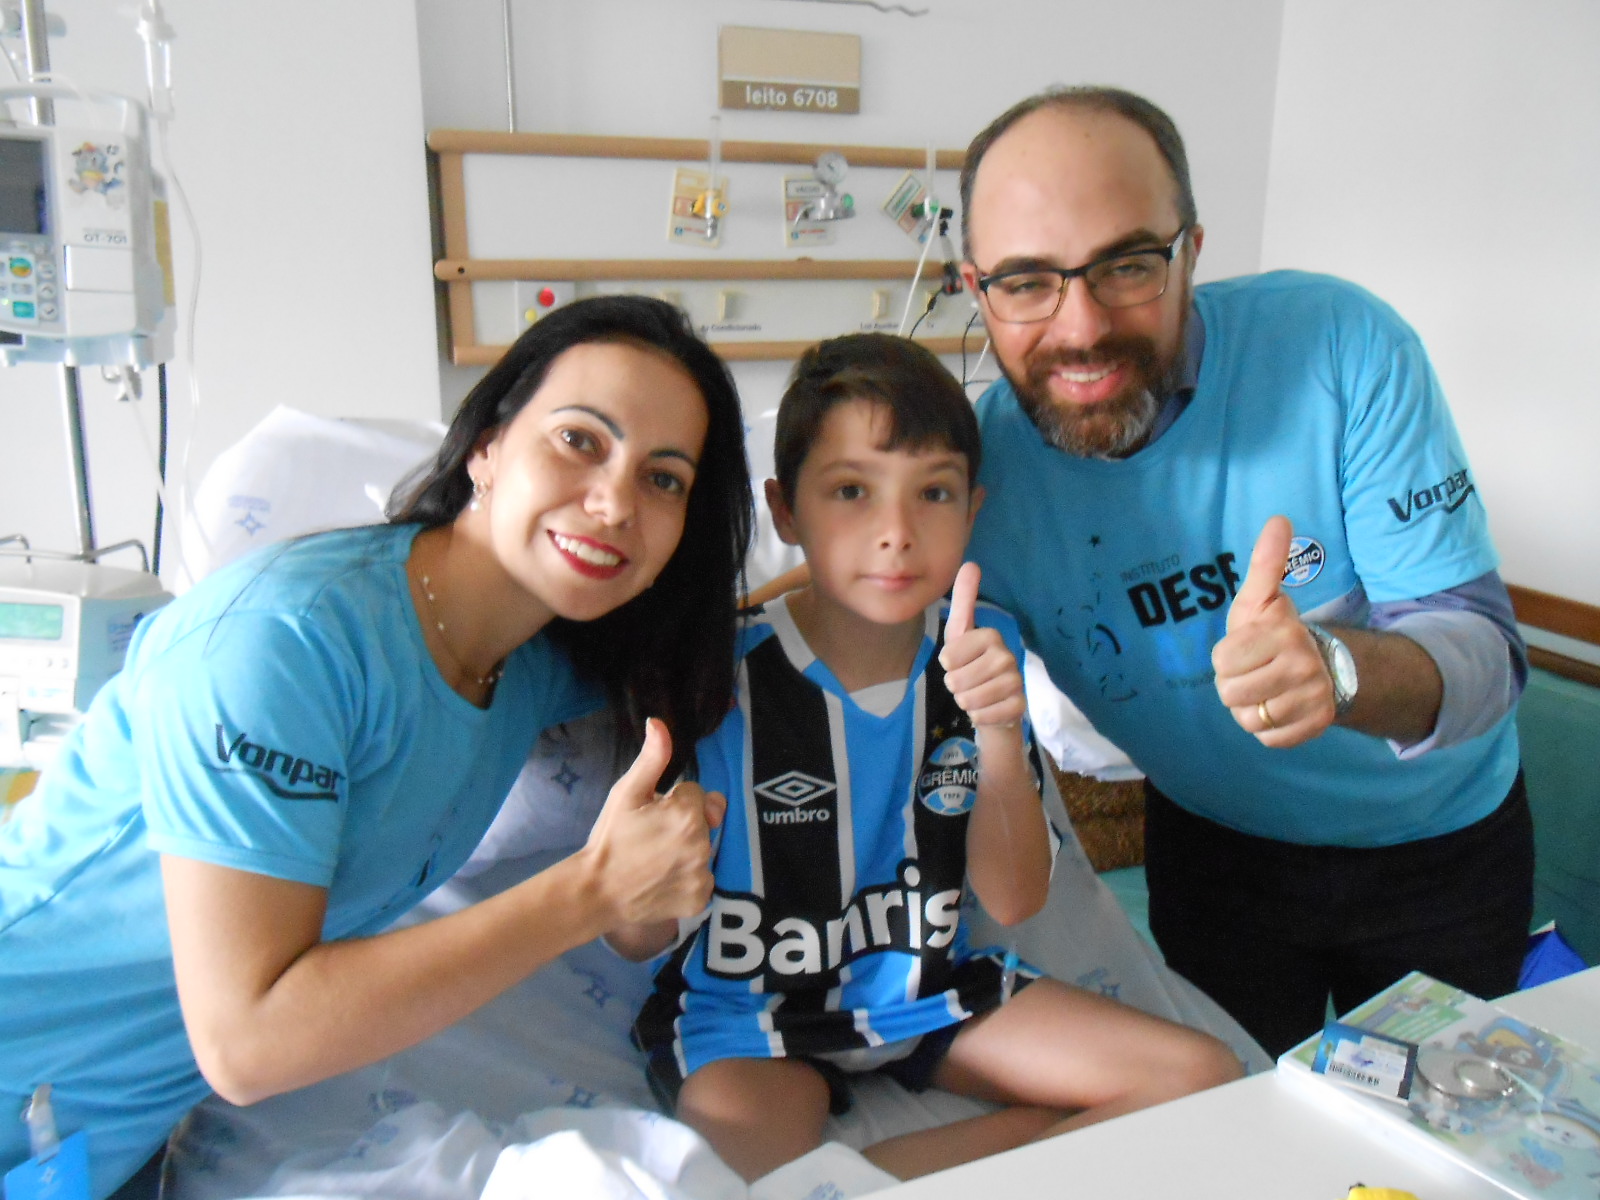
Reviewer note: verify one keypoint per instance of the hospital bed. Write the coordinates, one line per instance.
(541, 1092)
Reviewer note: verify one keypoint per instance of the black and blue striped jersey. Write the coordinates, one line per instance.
(835, 922)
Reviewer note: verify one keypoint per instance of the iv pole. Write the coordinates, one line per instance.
(36, 39)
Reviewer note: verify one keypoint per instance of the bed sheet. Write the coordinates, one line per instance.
(552, 1056)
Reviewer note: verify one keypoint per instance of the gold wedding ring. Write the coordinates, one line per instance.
(1266, 717)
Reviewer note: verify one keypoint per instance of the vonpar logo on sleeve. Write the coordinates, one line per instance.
(1449, 494)
(287, 775)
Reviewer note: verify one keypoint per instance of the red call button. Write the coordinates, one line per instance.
(547, 297)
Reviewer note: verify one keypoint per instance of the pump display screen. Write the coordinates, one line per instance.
(22, 182)
(35, 622)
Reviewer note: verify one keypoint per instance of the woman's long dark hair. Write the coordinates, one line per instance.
(668, 652)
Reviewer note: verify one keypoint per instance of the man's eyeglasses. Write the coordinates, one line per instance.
(1119, 280)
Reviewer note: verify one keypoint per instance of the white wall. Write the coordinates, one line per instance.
(1438, 151)
(1444, 154)
(299, 140)
(648, 68)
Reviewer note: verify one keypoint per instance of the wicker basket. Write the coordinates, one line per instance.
(1108, 818)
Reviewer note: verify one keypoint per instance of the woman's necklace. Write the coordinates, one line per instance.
(499, 669)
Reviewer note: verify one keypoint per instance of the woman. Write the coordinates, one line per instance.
(305, 745)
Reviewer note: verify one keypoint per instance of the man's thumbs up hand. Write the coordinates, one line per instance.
(1269, 671)
(1263, 580)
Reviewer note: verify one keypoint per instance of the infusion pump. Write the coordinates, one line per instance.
(85, 245)
(64, 630)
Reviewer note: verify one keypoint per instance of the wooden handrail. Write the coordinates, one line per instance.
(451, 270)
(578, 145)
(1569, 618)
(1556, 614)
(479, 355)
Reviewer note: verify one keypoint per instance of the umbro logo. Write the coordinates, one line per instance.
(794, 788)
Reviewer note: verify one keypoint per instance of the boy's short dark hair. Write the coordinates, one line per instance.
(926, 406)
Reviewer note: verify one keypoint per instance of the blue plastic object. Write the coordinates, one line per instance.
(1549, 957)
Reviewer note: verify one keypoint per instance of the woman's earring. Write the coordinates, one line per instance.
(480, 489)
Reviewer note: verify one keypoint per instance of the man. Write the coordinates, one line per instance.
(1322, 704)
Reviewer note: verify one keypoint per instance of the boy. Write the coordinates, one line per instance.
(878, 756)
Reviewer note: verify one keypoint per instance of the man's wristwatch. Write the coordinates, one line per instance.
(1341, 665)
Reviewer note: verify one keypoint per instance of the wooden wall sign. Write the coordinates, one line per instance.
(789, 70)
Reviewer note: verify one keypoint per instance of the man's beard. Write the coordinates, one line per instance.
(1112, 428)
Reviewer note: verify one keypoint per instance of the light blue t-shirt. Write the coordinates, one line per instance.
(284, 718)
(1315, 400)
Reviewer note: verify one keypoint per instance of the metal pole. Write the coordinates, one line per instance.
(36, 38)
(72, 408)
(36, 41)
(511, 69)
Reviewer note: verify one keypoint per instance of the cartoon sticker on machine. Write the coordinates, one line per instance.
(98, 170)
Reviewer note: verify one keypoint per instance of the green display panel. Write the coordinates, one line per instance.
(36, 622)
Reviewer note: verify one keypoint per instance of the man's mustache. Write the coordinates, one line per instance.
(1141, 352)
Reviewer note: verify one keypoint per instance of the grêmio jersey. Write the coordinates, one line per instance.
(1314, 400)
(835, 922)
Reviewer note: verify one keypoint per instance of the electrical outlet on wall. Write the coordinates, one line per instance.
(535, 298)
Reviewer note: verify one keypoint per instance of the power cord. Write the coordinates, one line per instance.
(968, 379)
(950, 282)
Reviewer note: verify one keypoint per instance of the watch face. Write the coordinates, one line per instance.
(1344, 668)
(1341, 666)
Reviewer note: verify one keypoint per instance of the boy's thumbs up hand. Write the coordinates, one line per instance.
(653, 851)
(1268, 669)
(963, 601)
(980, 672)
